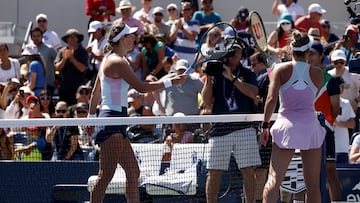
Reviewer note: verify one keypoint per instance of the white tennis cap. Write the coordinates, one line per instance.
(94, 25)
(316, 8)
(338, 54)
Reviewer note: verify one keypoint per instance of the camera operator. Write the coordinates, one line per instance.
(231, 90)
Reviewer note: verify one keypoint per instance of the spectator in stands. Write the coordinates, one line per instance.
(343, 121)
(36, 135)
(312, 20)
(17, 107)
(259, 66)
(137, 61)
(144, 15)
(72, 62)
(299, 90)
(173, 14)
(354, 155)
(213, 41)
(233, 91)
(9, 91)
(100, 10)
(9, 67)
(66, 138)
(50, 37)
(329, 37)
(6, 145)
(48, 55)
(327, 102)
(180, 134)
(158, 26)
(352, 82)
(138, 107)
(348, 43)
(36, 78)
(82, 96)
(278, 43)
(117, 72)
(46, 103)
(125, 9)
(184, 32)
(240, 22)
(85, 132)
(183, 98)
(288, 6)
(154, 52)
(207, 17)
(96, 47)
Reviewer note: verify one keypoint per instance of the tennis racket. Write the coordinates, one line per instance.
(257, 31)
(212, 48)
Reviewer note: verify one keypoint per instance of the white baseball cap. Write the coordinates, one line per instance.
(182, 64)
(316, 8)
(158, 9)
(41, 15)
(29, 50)
(338, 54)
(172, 5)
(94, 25)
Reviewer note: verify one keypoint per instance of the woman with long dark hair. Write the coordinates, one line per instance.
(279, 39)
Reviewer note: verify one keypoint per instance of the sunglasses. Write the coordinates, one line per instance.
(186, 9)
(339, 62)
(84, 92)
(158, 14)
(42, 21)
(285, 23)
(45, 98)
(171, 9)
(81, 112)
(60, 110)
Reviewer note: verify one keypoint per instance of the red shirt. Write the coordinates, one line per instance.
(97, 5)
(303, 24)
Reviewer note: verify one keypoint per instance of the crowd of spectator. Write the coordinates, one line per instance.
(55, 76)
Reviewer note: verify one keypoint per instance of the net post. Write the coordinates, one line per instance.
(323, 189)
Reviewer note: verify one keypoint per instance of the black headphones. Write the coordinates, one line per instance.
(236, 41)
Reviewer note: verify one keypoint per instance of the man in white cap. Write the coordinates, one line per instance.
(183, 98)
(158, 26)
(312, 20)
(96, 47)
(352, 80)
(50, 37)
(125, 9)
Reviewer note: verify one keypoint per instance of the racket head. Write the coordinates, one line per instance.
(257, 30)
(214, 44)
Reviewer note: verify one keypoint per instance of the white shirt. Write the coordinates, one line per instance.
(295, 9)
(137, 15)
(352, 83)
(51, 38)
(341, 133)
(97, 47)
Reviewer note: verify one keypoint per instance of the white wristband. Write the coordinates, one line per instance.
(167, 83)
(91, 115)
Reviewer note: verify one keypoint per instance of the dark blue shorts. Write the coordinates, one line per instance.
(330, 146)
(106, 131)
